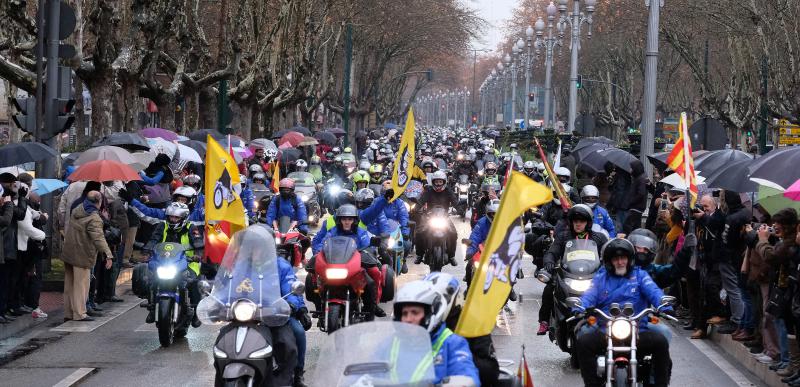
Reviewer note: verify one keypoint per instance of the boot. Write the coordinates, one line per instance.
(196, 323)
(794, 360)
(404, 268)
(544, 327)
(418, 259)
(379, 312)
(298, 378)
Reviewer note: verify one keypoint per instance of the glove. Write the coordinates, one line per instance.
(125, 195)
(304, 318)
(548, 266)
(388, 194)
(690, 241)
(22, 191)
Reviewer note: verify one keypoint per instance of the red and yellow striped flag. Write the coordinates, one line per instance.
(276, 176)
(524, 378)
(681, 161)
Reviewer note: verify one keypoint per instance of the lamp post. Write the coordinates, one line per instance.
(548, 43)
(650, 79)
(575, 20)
(528, 63)
(515, 55)
(493, 97)
(466, 115)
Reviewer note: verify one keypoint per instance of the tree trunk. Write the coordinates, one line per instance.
(166, 112)
(241, 119)
(207, 105)
(191, 112)
(102, 108)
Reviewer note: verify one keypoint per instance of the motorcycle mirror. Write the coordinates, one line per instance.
(204, 287)
(574, 301)
(298, 288)
(527, 228)
(668, 300)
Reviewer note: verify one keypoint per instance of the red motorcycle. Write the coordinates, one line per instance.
(339, 281)
(288, 242)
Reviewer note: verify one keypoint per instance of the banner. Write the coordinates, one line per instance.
(224, 208)
(404, 160)
(501, 257)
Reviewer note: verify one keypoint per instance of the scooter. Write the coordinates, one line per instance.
(620, 365)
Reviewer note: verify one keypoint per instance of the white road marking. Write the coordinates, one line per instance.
(108, 315)
(146, 328)
(75, 377)
(724, 365)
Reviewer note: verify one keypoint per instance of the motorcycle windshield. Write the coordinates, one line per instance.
(249, 270)
(463, 179)
(168, 252)
(306, 190)
(581, 257)
(302, 178)
(379, 353)
(339, 249)
(413, 190)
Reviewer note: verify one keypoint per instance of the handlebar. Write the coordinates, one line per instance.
(637, 316)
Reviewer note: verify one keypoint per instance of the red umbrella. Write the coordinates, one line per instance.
(104, 170)
(292, 138)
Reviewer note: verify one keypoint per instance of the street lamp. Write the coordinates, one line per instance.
(650, 79)
(528, 62)
(506, 84)
(515, 50)
(548, 43)
(575, 19)
(466, 116)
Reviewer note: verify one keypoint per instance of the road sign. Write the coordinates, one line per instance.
(788, 133)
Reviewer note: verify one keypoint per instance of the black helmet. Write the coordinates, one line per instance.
(615, 248)
(582, 212)
(644, 238)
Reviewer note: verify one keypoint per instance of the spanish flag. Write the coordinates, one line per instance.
(224, 208)
(681, 161)
(404, 160)
(501, 257)
(524, 378)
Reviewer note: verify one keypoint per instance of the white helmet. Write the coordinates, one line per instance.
(448, 287)
(492, 207)
(186, 191)
(563, 172)
(529, 165)
(540, 167)
(438, 175)
(179, 210)
(422, 293)
(301, 165)
(590, 191)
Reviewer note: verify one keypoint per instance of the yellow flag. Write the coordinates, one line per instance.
(222, 201)
(404, 160)
(501, 256)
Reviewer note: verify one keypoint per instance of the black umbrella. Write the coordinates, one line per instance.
(733, 176)
(377, 134)
(289, 156)
(714, 160)
(326, 138)
(202, 135)
(779, 166)
(301, 129)
(281, 133)
(594, 161)
(580, 154)
(618, 157)
(584, 142)
(129, 141)
(197, 145)
(24, 152)
(337, 131)
(70, 159)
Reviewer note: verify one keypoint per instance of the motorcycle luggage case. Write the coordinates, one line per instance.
(140, 280)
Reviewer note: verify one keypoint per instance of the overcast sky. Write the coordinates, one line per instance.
(495, 12)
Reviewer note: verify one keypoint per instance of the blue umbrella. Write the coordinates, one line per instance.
(46, 186)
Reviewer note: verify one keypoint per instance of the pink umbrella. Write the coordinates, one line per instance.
(159, 133)
(286, 145)
(793, 192)
(292, 138)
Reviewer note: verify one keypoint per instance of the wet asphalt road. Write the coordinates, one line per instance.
(120, 350)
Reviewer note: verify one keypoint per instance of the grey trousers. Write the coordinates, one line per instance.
(730, 282)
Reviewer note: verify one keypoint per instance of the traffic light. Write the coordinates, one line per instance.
(26, 117)
(531, 97)
(63, 118)
(474, 118)
(578, 83)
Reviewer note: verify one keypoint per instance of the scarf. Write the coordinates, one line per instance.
(675, 231)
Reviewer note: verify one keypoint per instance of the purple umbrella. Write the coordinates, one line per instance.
(159, 133)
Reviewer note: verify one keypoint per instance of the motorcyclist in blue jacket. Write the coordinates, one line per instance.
(479, 234)
(300, 321)
(184, 194)
(377, 225)
(288, 204)
(398, 212)
(419, 303)
(247, 196)
(590, 196)
(622, 282)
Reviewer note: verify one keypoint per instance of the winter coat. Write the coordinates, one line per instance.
(454, 358)
(84, 239)
(295, 211)
(637, 288)
(602, 219)
(556, 250)
(6, 218)
(637, 192)
(398, 212)
(360, 235)
(26, 230)
(730, 245)
(479, 234)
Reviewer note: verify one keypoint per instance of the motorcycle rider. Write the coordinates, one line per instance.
(646, 243)
(176, 229)
(300, 165)
(378, 224)
(376, 174)
(398, 212)
(579, 219)
(184, 194)
(590, 196)
(300, 320)
(529, 168)
(346, 220)
(338, 169)
(490, 174)
(437, 194)
(419, 303)
(622, 282)
(480, 232)
(565, 177)
(287, 203)
(315, 168)
(360, 180)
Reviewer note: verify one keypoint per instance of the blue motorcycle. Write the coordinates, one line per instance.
(171, 296)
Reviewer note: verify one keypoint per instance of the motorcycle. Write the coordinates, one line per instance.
(463, 189)
(330, 194)
(339, 282)
(246, 296)
(171, 296)
(620, 365)
(287, 242)
(306, 190)
(411, 199)
(392, 249)
(438, 227)
(572, 278)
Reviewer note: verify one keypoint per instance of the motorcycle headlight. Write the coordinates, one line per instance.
(335, 189)
(621, 329)
(336, 273)
(304, 197)
(408, 206)
(244, 310)
(438, 222)
(480, 173)
(261, 353)
(390, 243)
(311, 218)
(578, 285)
(463, 189)
(167, 272)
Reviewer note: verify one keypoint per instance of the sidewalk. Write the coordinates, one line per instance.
(744, 359)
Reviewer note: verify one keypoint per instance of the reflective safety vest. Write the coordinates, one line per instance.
(193, 266)
(424, 364)
(330, 223)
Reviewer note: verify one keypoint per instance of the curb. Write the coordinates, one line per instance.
(742, 355)
(58, 286)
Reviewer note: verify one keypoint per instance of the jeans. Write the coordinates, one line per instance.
(748, 317)
(547, 302)
(730, 282)
(111, 275)
(783, 339)
(592, 344)
(300, 338)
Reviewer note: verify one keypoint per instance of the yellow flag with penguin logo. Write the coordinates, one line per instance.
(222, 174)
(501, 256)
(404, 160)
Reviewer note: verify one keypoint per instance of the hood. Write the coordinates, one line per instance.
(733, 201)
(80, 212)
(637, 169)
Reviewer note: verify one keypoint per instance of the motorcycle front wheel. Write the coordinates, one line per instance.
(334, 317)
(166, 328)
(437, 258)
(240, 382)
(621, 377)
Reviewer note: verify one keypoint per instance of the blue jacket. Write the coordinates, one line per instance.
(247, 200)
(379, 224)
(637, 288)
(152, 180)
(454, 358)
(197, 215)
(287, 209)
(602, 218)
(361, 237)
(478, 236)
(287, 278)
(398, 212)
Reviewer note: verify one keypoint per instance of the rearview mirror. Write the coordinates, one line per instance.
(298, 288)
